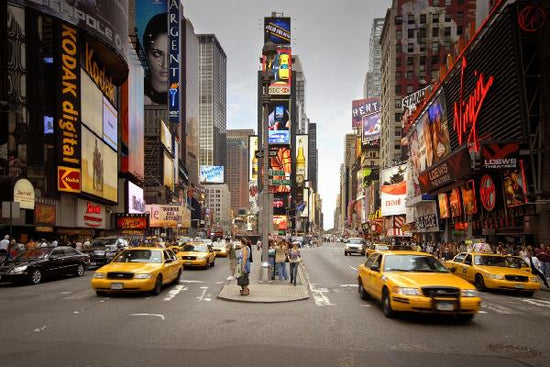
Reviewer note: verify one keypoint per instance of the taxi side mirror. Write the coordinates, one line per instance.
(375, 267)
(167, 261)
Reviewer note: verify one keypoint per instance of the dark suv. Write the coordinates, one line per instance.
(103, 249)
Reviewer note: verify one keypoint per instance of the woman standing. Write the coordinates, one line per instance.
(294, 259)
(244, 269)
(280, 258)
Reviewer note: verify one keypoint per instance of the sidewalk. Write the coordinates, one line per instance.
(272, 292)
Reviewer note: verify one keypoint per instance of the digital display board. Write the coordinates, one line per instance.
(279, 123)
(211, 174)
(99, 167)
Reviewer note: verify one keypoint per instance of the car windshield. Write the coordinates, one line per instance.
(413, 263)
(195, 248)
(382, 247)
(100, 243)
(500, 261)
(39, 253)
(356, 240)
(139, 256)
(516, 262)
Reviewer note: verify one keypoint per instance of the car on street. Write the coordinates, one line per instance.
(34, 265)
(376, 247)
(197, 254)
(493, 271)
(103, 249)
(355, 245)
(410, 281)
(138, 269)
(220, 249)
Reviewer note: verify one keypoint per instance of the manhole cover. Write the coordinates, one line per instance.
(513, 351)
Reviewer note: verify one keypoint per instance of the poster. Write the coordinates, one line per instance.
(444, 211)
(469, 198)
(454, 202)
(515, 188)
(393, 190)
(441, 143)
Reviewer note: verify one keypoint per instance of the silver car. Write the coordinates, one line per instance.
(355, 245)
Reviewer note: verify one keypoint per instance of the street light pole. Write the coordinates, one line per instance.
(268, 52)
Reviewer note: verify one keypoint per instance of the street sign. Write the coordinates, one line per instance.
(273, 172)
(260, 153)
(280, 182)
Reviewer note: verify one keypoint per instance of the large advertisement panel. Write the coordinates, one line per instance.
(370, 133)
(168, 171)
(361, 108)
(439, 129)
(277, 30)
(253, 163)
(136, 203)
(393, 189)
(152, 31)
(132, 136)
(281, 162)
(515, 186)
(211, 174)
(279, 123)
(302, 155)
(167, 216)
(174, 95)
(281, 67)
(165, 136)
(409, 104)
(90, 215)
(99, 167)
(67, 126)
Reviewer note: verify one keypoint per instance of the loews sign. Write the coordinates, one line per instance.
(500, 156)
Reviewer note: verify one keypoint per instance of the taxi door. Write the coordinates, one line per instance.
(468, 271)
(377, 277)
(364, 272)
(170, 267)
(457, 264)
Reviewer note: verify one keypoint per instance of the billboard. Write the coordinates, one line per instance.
(136, 203)
(444, 210)
(99, 167)
(67, 127)
(277, 30)
(166, 216)
(253, 163)
(131, 221)
(280, 222)
(439, 129)
(281, 162)
(280, 66)
(454, 203)
(370, 133)
(168, 171)
(92, 104)
(409, 104)
(165, 136)
(174, 83)
(279, 124)
(211, 174)
(469, 198)
(132, 126)
(393, 189)
(90, 215)
(152, 31)
(515, 186)
(110, 124)
(302, 155)
(361, 108)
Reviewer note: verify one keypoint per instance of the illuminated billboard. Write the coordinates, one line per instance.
(279, 123)
(302, 155)
(370, 133)
(99, 167)
(136, 203)
(110, 124)
(168, 172)
(393, 189)
(165, 136)
(280, 65)
(166, 216)
(211, 174)
(277, 30)
(253, 163)
(174, 84)
(280, 162)
(280, 222)
(361, 108)
(92, 104)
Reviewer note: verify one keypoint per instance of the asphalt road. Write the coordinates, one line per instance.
(63, 323)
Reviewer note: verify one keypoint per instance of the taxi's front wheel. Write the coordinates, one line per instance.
(158, 286)
(386, 304)
(362, 292)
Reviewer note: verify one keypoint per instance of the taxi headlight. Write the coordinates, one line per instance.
(142, 276)
(201, 257)
(469, 293)
(534, 279)
(99, 275)
(19, 269)
(405, 291)
(495, 276)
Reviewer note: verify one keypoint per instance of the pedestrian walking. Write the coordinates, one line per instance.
(4, 245)
(232, 256)
(244, 270)
(536, 265)
(294, 259)
(280, 260)
(543, 254)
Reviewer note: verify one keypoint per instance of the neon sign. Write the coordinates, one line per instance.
(466, 112)
(487, 192)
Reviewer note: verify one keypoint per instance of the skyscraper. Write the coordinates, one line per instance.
(300, 96)
(236, 172)
(212, 101)
(372, 87)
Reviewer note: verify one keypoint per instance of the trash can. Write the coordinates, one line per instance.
(264, 272)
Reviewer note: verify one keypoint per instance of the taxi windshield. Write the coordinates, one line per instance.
(195, 248)
(139, 256)
(413, 263)
(500, 261)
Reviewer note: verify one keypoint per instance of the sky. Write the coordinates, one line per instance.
(332, 40)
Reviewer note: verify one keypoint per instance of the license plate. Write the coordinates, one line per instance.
(445, 306)
(188, 263)
(117, 286)
(93, 263)
(519, 286)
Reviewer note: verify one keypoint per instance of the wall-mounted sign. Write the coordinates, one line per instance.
(454, 203)
(131, 221)
(531, 18)
(487, 192)
(90, 214)
(136, 203)
(515, 186)
(444, 210)
(277, 29)
(68, 179)
(469, 197)
(166, 216)
(393, 190)
(23, 193)
(174, 63)
(426, 217)
(452, 168)
(500, 156)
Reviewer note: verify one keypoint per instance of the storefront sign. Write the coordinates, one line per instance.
(515, 186)
(23, 193)
(90, 214)
(487, 193)
(426, 217)
(453, 168)
(532, 18)
(131, 221)
(68, 179)
(500, 156)
(165, 216)
(466, 112)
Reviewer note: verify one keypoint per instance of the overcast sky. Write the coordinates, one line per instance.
(331, 38)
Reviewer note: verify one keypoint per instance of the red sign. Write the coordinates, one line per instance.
(68, 179)
(466, 112)
(487, 193)
(454, 201)
(93, 216)
(531, 18)
(137, 221)
(454, 167)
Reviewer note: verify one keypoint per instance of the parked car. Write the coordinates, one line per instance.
(138, 269)
(34, 265)
(103, 249)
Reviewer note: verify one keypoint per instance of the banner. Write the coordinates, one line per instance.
(453, 168)
(515, 187)
(426, 217)
(165, 216)
(393, 190)
(361, 108)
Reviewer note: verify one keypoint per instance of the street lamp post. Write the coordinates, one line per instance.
(268, 52)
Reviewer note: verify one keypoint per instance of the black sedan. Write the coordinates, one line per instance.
(34, 265)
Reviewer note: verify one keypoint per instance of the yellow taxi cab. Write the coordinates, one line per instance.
(410, 281)
(175, 249)
(495, 271)
(284, 67)
(220, 249)
(375, 247)
(138, 269)
(197, 254)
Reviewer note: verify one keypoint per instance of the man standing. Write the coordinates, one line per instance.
(543, 254)
(4, 244)
(231, 255)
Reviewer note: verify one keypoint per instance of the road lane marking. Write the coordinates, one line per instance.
(538, 302)
(203, 297)
(481, 311)
(148, 314)
(174, 292)
(501, 309)
(353, 268)
(320, 297)
(348, 285)
(192, 281)
(39, 329)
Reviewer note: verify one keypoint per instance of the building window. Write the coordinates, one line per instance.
(422, 32)
(397, 146)
(447, 2)
(423, 47)
(422, 18)
(410, 33)
(435, 60)
(436, 2)
(435, 47)
(410, 61)
(398, 48)
(460, 2)
(410, 19)
(447, 17)
(435, 32)
(398, 20)
(435, 18)
(409, 75)
(397, 131)
(398, 103)
(422, 60)
(399, 34)
(459, 30)
(447, 31)
(460, 16)
(410, 47)
(397, 89)
(397, 117)
(398, 75)
(409, 89)
(398, 61)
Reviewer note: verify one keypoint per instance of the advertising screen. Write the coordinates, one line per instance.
(277, 29)
(211, 174)
(393, 189)
(361, 108)
(136, 203)
(441, 143)
(281, 67)
(152, 30)
(99, 167)
(253, 163)
(110, 124)
(281, 162)
(515, 187)
(92, 104)
(280, 222)
(469, 197)
(279, 123)
(444, 211)
(371, 130)
(302, 155)
(165, 136)
(136, 221)
(168, 172)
